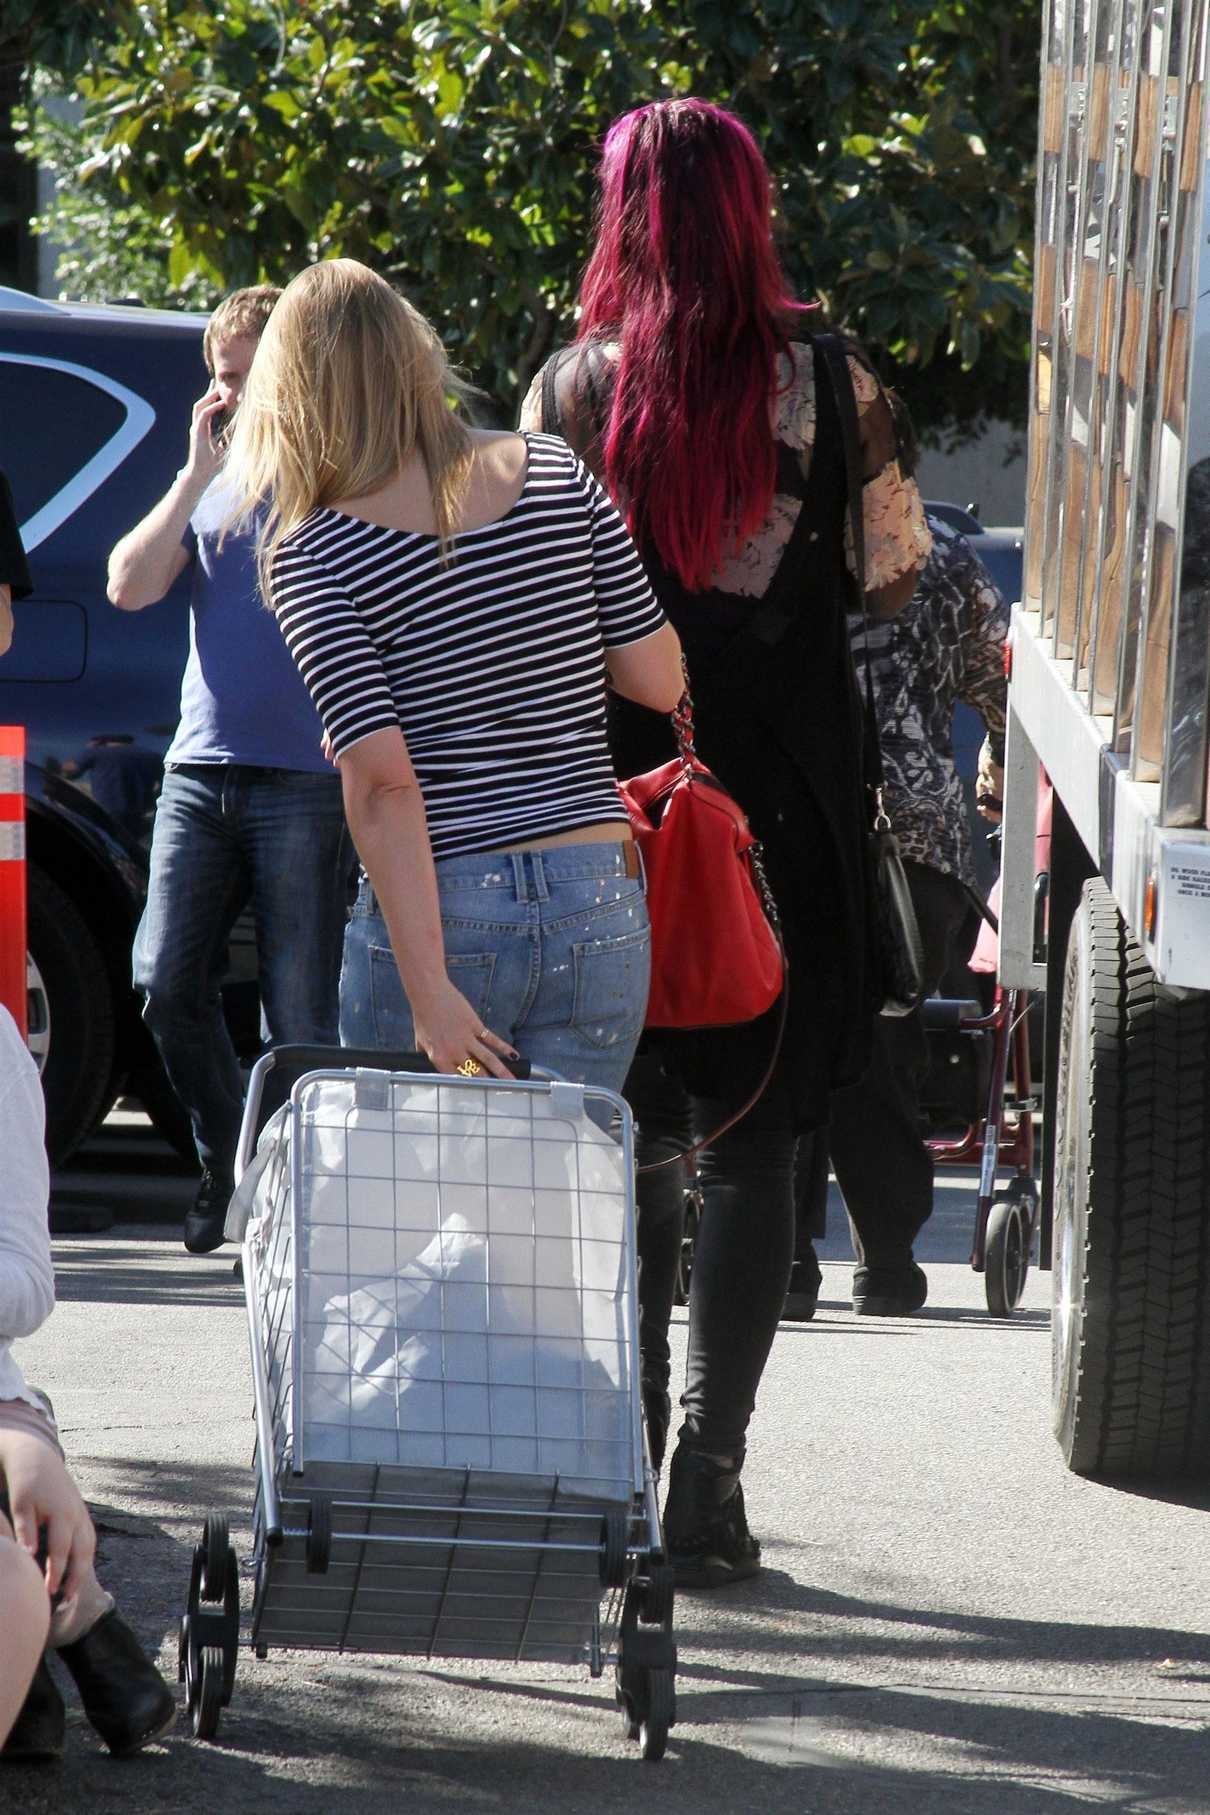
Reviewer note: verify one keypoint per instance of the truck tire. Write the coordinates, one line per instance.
(1130, 1327)
(75, 1015)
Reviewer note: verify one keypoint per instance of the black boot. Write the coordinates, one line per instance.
(705, 1529)
(802, 1294)
(124, 1695)
(38, 1730)
(206, 1215)
(889, 1291)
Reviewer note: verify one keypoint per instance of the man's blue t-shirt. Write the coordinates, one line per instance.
(242, 698)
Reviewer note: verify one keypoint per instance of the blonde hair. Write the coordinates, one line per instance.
(240, 316)
(349, 381)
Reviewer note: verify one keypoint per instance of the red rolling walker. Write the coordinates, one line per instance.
(1000, 1142)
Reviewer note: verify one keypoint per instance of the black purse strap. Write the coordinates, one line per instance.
(552, 419)
(836, 364)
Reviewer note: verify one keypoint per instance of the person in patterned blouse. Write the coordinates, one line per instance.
(946, 646)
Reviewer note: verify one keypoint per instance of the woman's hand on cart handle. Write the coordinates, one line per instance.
(451, 1035)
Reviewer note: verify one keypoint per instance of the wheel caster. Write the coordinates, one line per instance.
(319, 1536)
(615, 1543)
(631, 1725)
(206, 1704)
(208, 1641)
(216, 1543)
(1006, 1254)
(658, 1716)
(659, 1593)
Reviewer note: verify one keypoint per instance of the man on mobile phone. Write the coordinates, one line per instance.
(250, 813)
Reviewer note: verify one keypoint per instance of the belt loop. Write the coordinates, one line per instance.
(517, 859)
(632, 861)
(539, 874)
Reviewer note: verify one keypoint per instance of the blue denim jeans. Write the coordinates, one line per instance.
(552, 948)
(228, 836)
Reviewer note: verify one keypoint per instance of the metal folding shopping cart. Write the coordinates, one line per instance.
(450, 1456)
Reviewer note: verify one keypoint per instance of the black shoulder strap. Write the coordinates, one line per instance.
(587, 353)
(552, 421)
(836, 363)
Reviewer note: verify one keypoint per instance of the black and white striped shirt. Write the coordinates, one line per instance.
(493, 666)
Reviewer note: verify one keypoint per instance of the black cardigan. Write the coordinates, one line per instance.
(779, 723)
(14, 571)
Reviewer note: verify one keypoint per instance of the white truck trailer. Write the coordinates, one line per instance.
(1109, 696)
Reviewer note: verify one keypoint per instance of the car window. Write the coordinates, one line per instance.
(51, 424)
(63, 430)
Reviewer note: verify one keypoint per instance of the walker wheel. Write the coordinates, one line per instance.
(1006, 1254)
(659, 1716)
(207, 1705)
(216, 1544)
(319, 1536)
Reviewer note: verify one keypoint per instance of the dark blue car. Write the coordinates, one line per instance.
(94, 418)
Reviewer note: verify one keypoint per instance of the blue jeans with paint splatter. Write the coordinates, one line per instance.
(551, 947)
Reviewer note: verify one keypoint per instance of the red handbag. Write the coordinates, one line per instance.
(717, 958)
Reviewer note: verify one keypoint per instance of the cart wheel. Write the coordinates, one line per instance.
(631, 1725)
(319, 1536)
(659, 1715)
(208, 1704)
(615, 1541)
(216, 1544)
(655, 1608)
(1006, 1261)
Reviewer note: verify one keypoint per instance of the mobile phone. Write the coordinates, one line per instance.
(218, 425)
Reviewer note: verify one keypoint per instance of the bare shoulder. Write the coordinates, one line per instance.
(500, 454)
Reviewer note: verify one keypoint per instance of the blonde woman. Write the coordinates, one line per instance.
(456, 600)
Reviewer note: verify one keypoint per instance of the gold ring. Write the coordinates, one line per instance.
(469, 1068)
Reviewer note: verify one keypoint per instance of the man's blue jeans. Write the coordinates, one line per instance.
(552, 948)
(228, 836)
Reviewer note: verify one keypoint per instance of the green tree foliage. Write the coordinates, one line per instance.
(451, 145)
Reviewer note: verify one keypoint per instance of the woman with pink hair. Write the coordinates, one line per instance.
(695, 392)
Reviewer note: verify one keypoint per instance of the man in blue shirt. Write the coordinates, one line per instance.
(250, 813)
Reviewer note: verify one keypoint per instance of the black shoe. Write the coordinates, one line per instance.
(802, 1294)
(124, 1695)
(38, 1730)
(889, 1291)
(205, 1218)
(705, 1530)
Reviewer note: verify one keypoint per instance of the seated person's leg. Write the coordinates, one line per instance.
(24, 1618)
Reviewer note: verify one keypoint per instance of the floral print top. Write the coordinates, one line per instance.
(946, 645)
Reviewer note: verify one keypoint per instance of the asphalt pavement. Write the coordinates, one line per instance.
(948, 1620)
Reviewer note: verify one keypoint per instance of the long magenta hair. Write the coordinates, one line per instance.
(685, 277)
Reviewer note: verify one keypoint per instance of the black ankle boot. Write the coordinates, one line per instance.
(38, 1730)
(124, 1695)
(705, 1528)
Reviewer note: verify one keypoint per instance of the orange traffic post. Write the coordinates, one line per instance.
(12, 873)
